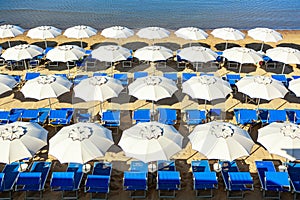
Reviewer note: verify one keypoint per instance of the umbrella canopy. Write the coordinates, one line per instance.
(191, 33)
(22, 52)
(80, 31)
(151, 141)
(43, 32)
(198, 54)
(98, 88)
(7, 82)
(285, 55)
(152, 33)
(65, 53)
(153, 53)
(294, 86)
(228, 34)
(206, 87)
(10, 31)
(281, 139)
(21, 140)
(220, 140)
(80, 143)
(117, 32)
(44, 87)
(265, 35)
(152, 88)
(242, 55)
(261, 87)
(111, 53)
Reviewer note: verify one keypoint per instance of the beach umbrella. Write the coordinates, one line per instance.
(242, 55)
(79, 32)
(206, 87)
(65, 53)
(228, 34)
(285, 55)
(111, 53)
(117, 32)
(46, 87)
(44, 33)
(98, 88)
(10, 31)
(261, 87)
(294, 86)
(265, 35)
(191, 33)
(22, 52)
(151, 141)
(152, 88)
(7, 82)
(21, 140)
(282, 139)
(221, 140)
(152, 33)
(153, 53)
(197, 54)
(80, 142)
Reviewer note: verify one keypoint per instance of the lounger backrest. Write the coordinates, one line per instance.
(200, 166)
(97, 181)
(102, 168)
(62, 179)
(29, 178)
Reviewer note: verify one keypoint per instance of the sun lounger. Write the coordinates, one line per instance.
(15, 114)
(245, 116)
(8, 178)
(4, 117)
(293, 115)
(123, 77)
(99, 74)
(234, 180)
(34, 180)
(268, 116)
(62, 75)
(142, 115)
(79, 78)
(280, 77)
(195, 117)
(203, 178)
(111, 118)
(139, 75)
(187, 76)
(167, 116)
(62, 116)
(43, 114)
(31, 75)
(271, 180)
(294, 174)
(68, 181)
(166, 165)
(29, 114)
(168, 181)
(172, 76)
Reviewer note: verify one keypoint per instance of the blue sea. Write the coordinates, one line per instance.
(171, 14)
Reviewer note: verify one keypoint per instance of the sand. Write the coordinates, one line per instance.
(179, 101)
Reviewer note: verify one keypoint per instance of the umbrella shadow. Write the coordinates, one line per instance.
(168, 101)
(170, 45)
(6, 94)
(291, 45)
(135, 45)
(196, 44)
(221, 46)
(76, 43)
(96, 45)
(257, 46)
(42, 44)
(276, 67)
(5, 45)
(19, 96)
(66, 98)
(292, 98)
(235, 67)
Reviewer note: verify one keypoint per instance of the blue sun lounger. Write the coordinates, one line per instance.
(4, 117)
(111, 118)
(137, 75)
(293, 115)
(99, 181)
(142, 115)
(187, 76)
(33, 181)
(68, 181)
(234, 180)
(245, 116)
(8, 178)
(42, 116)
(268, 116)
(271, 180)
(294, 174)
(167, 116)
(203, 178)
(195, 117)
(136, 179)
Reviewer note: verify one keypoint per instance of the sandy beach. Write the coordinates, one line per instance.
(179, 101)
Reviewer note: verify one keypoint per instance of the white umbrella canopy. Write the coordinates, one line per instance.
(191, 33)
(65, 53)
(206, 87)
(151, 141)
(282, 139)
(10, 31)
(152, 33)
(117, 32)
(153, 53)
(80, 32)
(265, 35)
(111, 53)
(242, 55)
(21, 140)
(198, 54)
(294, 86)
(80, 142)
(44, 32)
(228, 34)
(22, 52)
(220, 140)
(7, 82)
(285, 55)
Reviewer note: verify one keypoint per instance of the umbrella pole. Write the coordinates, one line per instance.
(258, 103)
(68, 69)
(100, 108)
(8, 43)
(283, 68)
(112, 69)
(226, 44)
(45, 41)
(81, 42)
(49, 103)
(205, 105)
(262, 46)
(25, 64)
(240, 68)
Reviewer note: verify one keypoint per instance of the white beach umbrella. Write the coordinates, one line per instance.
(80, 32)
(285, 55)
(152, 33)
(153, 53)
(228, 34)
(117, 32)
(242, 55)
(44, 32)
(265, 35)
(98, 88)
(46, 87)
(80, 142)
(151, 141)
(198, 54)
(206, 87)
(10, 31)
(191, 33)
(7, 82)
(294, 86)
(282, 139)
(261, 87)
(65, 53)
(220, 140)
(21, 140)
